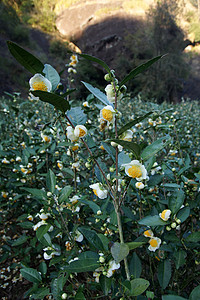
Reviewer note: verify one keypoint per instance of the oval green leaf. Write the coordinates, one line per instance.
(119, 251)
(155, 147)
(57, 101)
(152, 221)
(138, 286)
(31, 275)
(140, 69)
(26, 59)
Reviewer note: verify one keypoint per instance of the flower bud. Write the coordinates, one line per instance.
(64, 296)
(101, 259)
(107, 77)
(178, 221)
(173, 225)
(87, 164)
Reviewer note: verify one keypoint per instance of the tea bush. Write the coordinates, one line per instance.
(100, 197)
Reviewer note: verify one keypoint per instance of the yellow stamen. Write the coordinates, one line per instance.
(135, 171)
(81, 132)
(163, 214)
(41, 86)
(153, 243)
(46, 138)
(74, 148)
(107, 114)
(73, 63)
(147, 233)
(95, 192)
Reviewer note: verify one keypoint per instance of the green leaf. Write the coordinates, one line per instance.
(80, 296)
(186, 165)
(21, 240)
(105, 241)
(123, 158)
(40, 293)
(140, 69)
(51, 181)
(171, 186)
(46, 240)
(25, 224)
(57, 101)
(65, 193)
(31, 275)
(132, 123)
(135, 266)
(97, 93)
(179, 258)
(119, 251)
(134, 245)
(197, 175)
(110, 150)
(55, 289)
(176, 201)
(96, 60)
(77, 116)
(138, 286)
(87, 261)
(52, 75)
(173, 297)
(42, 230)
(92, 237)
(91, 204)
(152, 221)
(195, 294)
(183, 213)
(39, 194)
(155, 147)
(26, 59)
(105, 284)
(131, 146)
(43, 268)
(164, 273)
(194, 237)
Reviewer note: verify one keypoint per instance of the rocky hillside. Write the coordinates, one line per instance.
(101, 28)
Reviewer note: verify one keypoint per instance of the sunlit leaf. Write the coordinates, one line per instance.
(77, 116)
(52, 75)
(97, 93)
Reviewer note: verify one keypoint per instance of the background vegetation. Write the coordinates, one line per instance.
(162, 32)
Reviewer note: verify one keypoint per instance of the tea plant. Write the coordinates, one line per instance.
(106, 191)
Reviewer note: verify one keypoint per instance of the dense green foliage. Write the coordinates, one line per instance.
(66, 241)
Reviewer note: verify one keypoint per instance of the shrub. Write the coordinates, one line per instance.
(107, 201)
